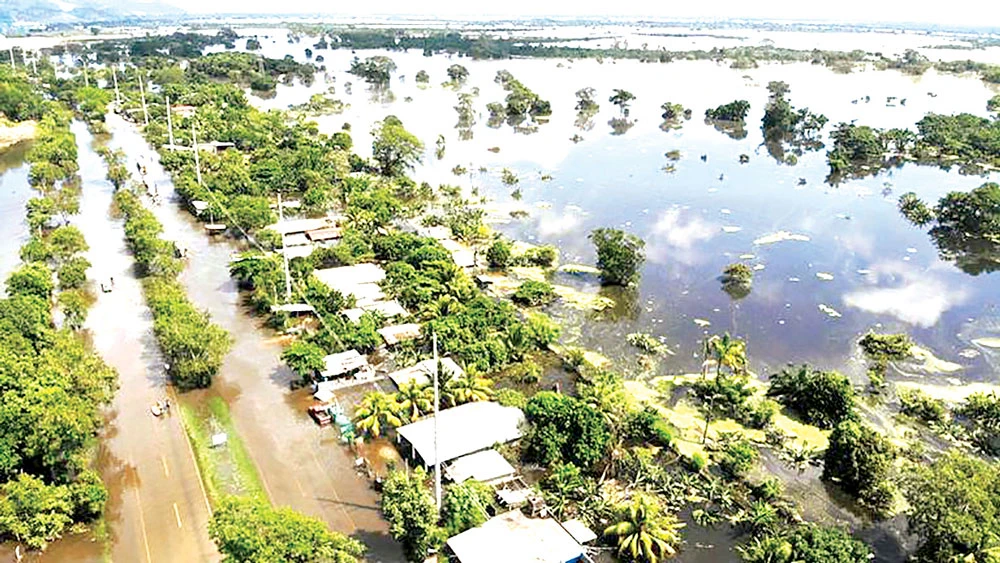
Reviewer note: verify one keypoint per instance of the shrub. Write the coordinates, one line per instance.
(565, 429)
(859, 458)
(822, 398)
(534, 293)
(619, 255)
(499, 254)
(738, 457)
(920, 405)
(73, 273)
(511, 398)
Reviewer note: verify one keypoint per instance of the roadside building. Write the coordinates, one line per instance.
(462, 430)
(423, 371)
(487, 466)
(349, 364)
(512, 536)
(395, 334)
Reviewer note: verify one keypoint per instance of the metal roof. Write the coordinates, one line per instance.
(463, 430)
(422, 371)
(512, 536)
(484, 466)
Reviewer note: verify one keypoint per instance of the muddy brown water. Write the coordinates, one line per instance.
(301, 465)
(14, 193)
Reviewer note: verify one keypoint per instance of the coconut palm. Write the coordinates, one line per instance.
(415, 399)
(470, 388)
(645, 533)
(376, 413)
(730, 353)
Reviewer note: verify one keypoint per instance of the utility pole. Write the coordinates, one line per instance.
(118, 96)
(86, 78)
(194, 147)
(34, 64)
(284, 253)
(170, 124)
(12, 65)
(142, 94)
(437, 411)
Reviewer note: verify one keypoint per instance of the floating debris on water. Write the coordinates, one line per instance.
(731, 229)
(747, 256)
(726, 211)
(781, 236)
(824, 276)
(758, 267)
(969, 353)
(987, 342)
(864, 271)
(911, 250)
(794, 280)
(830, 311)
(925, 361)
(702, 323)
(844, 216)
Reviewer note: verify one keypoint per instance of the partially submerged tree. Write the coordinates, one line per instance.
(620, 255)
(395, 149)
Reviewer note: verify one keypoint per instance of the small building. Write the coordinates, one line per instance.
(512, 536)
(438, 232)
(388, 309)
(422, 371)
(297, 251)
(395, 334)
(296, 239)
(463, 257)
(487, 466)
(346, 364)
(293, 226)
(216, 146)
(360, 281)
(324, 234)
(463, 430)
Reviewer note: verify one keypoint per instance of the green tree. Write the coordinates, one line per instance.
(621, 98)
(805, 543)
(499, 254)
(533, 293)
(249, 530)
(859, 459)
(31, 279)
(73, 273)
(465, 506)
(821, 398)
(469, 388)
(67, 241)
(74, 304)
(409, 508)
(395, 149)
(644, 532)
(619, 255)
(565, 429)
(376, 413)
(415, 399)
(305, 358)
(32, 512)
(735, 111)
(955, 509)
(457, 73)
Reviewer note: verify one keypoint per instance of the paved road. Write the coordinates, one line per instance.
(158, 511)
(302, 466)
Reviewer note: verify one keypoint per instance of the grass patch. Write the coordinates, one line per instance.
(225, 470)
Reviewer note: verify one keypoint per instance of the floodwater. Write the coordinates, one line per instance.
(831, 261)
(302, 466)
(14, 193)
(851, 252)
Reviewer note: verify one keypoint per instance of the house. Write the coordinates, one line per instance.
(183, 111)
(359, 280)
(216, 146)
(462, 430)
(301, 226)
(487, 466)
(395, 334)
(512, 536)
(422, 372)
(324, 234)
(346, 364)
(388, 309)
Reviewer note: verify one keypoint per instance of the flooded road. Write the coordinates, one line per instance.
(157, 510)
(14, 193)
(302, 466)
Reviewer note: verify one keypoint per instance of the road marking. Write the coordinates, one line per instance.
(142, 524)
(166, 470)
(333, 489)
(187, 440)
(177, 515)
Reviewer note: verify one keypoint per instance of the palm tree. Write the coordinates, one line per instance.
(729, 352)
(646, 534)
(376, 413)
(415, 399)
(470, 388)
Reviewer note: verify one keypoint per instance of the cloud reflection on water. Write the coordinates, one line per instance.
(918, 298)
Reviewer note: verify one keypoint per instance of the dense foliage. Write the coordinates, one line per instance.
(806, 543)
(733, 111)
(409, 507)
(620, 255)
(564, 429)
(19, 100)
(251, 531)
(783, 125)
(821, 398)
(859, 459)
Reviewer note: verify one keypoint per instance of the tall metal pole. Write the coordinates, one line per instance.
(170, 124)
(437, 411)
(34, 64)
(142, 94)
(12, 65)
(194, 147)
(118, 95)
(86, 77)
(284, 253)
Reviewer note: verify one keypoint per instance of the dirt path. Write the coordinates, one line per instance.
(157, 510)
(302, 466)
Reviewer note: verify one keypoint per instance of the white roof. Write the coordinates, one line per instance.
(397, 333)
(298, 251)
(484, 466)
(293, 308)
(290, 226)
(512, 536)
(343, 362)
(297, 239)
(464, 430)
(346, 277)
(580, 532)
(199, 205)
(422, 371)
